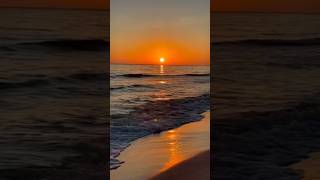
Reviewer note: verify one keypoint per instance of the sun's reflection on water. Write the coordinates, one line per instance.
(175, 156)
(161, 69)
(172, 136)
(161, 95)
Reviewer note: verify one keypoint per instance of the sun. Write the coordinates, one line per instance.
(162, 60)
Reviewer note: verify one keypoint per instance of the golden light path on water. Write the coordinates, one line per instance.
(162, 94)
(161, 69)
(175, 156)
(172, 137)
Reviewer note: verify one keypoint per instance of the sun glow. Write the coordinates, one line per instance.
(162, 60)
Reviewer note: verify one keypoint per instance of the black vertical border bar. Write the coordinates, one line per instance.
(107, 169)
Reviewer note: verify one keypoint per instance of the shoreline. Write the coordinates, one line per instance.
(154, 154)
(153, 118)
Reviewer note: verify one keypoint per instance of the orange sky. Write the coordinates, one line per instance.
(75, 4)
(266, 5)
(146, 30)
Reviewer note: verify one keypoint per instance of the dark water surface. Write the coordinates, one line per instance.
(53, 94)
(147, 99)
(266, 83)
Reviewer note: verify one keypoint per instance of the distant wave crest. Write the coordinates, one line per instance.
(71, 44)
(24, 84)
(131, 86)
(89, 76)
(39, 80)
(61, 44)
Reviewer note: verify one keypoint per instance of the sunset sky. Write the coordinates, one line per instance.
(143, 31)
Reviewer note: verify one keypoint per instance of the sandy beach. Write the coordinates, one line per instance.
(167, 153)
(198, 167)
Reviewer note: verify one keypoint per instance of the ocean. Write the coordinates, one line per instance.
(148, 99)
(264, 61)
(53, 77)
(266, 84)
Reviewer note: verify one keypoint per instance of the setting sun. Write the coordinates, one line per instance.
(180, 35)
(162, 60)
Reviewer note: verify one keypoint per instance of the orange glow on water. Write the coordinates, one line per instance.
(175, 155)
(161, 69)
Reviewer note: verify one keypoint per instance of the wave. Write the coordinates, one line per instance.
(293, 65)
(71, 44)
(89, 76)
(63, 44)
(37, 80)
(24, 84)
(130, 86)
(272, 42)
(7, 49)
(137, 75)
(153, 117)
(159, 75)
(33, 29)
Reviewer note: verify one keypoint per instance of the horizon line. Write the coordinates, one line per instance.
(161, 64)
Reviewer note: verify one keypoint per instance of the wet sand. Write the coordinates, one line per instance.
(152, 155)
(197, 167)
